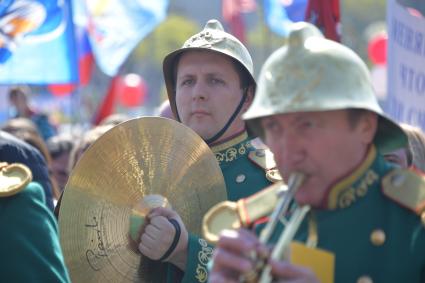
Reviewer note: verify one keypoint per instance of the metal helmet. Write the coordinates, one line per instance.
(311, 73)
(212, 38)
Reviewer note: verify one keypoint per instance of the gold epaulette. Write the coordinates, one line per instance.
(13, 178)
(407, 188)
(263, 157)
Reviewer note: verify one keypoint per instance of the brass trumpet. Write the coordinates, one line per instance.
(278, 200)
(291, 226)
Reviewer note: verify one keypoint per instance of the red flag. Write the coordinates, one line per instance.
(237, 27)
(232, 7)
(85, 55)
(325, 14)
(231, 11)
(107, 106)
(85, 65)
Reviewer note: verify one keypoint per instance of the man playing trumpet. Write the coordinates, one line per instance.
(316, 110)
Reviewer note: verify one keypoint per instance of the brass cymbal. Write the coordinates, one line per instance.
(136, 159)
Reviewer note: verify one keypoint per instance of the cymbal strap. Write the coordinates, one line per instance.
(175, 240)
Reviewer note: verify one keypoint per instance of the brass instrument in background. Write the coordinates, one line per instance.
(275, 199)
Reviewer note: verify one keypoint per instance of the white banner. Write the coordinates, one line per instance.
(406, 65)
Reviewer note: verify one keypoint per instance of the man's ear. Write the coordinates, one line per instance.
(368, 126)
(249, 92)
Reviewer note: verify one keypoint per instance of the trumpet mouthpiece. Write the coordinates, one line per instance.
(296, 179)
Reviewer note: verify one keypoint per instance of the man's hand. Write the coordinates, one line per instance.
(233, 258)
(286, 272)
(158, 235)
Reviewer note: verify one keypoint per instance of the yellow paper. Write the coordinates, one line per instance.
(321, 262)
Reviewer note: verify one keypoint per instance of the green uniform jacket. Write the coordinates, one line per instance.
(243, 177)
(29, 243)
(355, 209)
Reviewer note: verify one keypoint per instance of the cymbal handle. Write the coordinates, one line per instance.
(175, 240)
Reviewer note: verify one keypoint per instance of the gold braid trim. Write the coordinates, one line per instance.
(233, 153)
(351, 194)
(204, 256)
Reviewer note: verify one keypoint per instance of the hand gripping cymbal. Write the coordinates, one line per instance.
(113, 184)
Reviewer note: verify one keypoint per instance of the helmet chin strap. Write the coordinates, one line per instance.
(231, 119)
(229, 122)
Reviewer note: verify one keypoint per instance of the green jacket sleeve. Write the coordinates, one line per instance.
(29, 239)
(198, 256)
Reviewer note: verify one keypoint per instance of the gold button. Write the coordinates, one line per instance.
(423, 218)
(240, 178)
(260, 153)
(364, 279)
(398, 180)
(273, 175)
(377, 237)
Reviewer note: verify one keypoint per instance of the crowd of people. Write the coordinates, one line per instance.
(313, 109)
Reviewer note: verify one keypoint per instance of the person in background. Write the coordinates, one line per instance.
(114, 119)
(26, 130)
(60, 149)
(18, 97)
(413, 155)
(78, 149)
(29, 242)
(82, 144)
(416, 146)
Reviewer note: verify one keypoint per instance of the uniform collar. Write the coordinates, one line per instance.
(230, 142)
(233, 148)
(355, 186)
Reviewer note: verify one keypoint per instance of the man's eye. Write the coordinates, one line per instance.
(187, 82)
(216, 81)
(307, 124)
(391, 158)
(271, 126)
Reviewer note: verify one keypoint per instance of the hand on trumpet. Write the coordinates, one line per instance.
(233, 259)
(165, 237)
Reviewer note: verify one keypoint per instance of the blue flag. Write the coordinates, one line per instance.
(117, 26)
(280, 14)
(38, 42)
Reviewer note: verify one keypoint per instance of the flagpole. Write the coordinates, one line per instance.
(266, 36)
